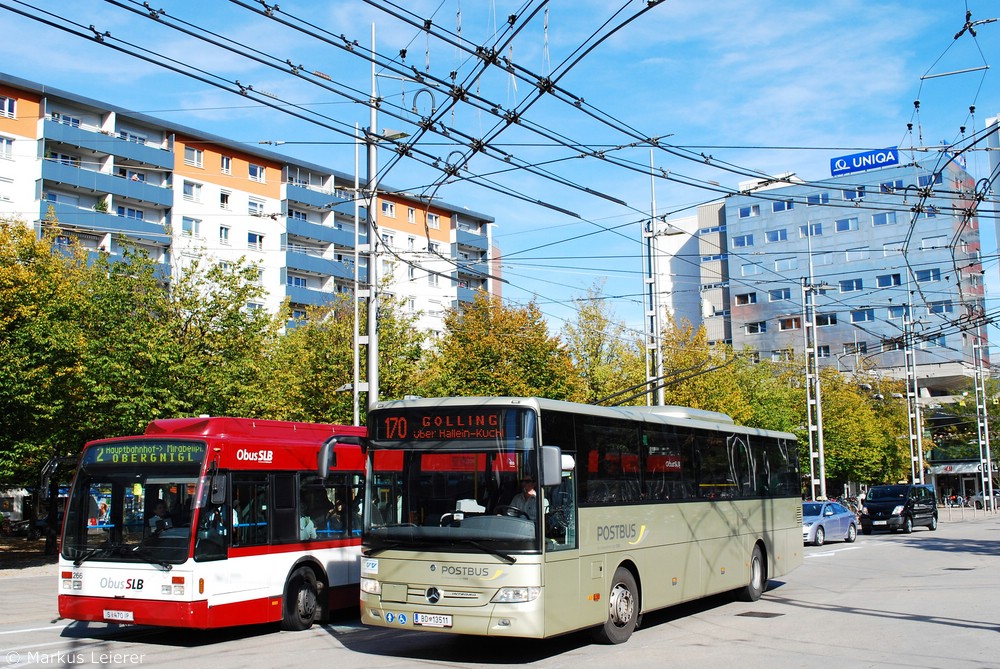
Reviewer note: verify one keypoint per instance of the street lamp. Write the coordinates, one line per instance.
(814, 405)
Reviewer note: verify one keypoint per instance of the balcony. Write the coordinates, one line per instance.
(89, 219)
(98, 182)
(466, 295)
(308, 296)
(108, 144)
(323, 233)
(471, 239)
(476, 268)
(316, 265)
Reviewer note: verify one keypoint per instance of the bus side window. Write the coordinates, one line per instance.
(251, 509)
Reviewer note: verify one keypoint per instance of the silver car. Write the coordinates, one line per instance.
(827, 520)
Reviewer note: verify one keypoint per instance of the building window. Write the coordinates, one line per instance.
(224, 199)
(891, 186)
(226, 164)
(888, 280)
(779, 294)
(823, 258)
(884, 218)
(131, 175)
(925, 180)
(782, 205)
(224, 235)
(8, 107)
(772, 236)
(942, 307)
(853, 193)
(746, 298)
(297, 215)
(190, 227)
(817, 199)
(851, 285)
(66, 119)
(862, 315)
(132, 137)
(66, 159)
(256, 173)
(846, 225)
(823, 351)
(892, 249)
(825, 320)
(297, 281)
(751, 269)
(898, 311)
(857, 254)
(929, 243)
(6, 148)
(925, 275)
(433, 221)
(782, 355)
(742, 241)
(434, 247)
(254, 306)
(793, 323)
(785, 264)
(411, 215)
(255, 207)
(759, 327)
(130, 212)
(811, 230)
(194, 157)
(749, 211)
(855, 347)
(388, 239)
(299, 315)
(934, 342)
(432, 279)
(255, 241)
(192, 191)
(389, 209)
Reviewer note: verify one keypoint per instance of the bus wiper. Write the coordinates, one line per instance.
(372, 552)
(144, 553)
(509, 559)
(93, 553)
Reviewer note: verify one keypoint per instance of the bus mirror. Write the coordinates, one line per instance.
(551, 465)
(217, 493)
(326, 458)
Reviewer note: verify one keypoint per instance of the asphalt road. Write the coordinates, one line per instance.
(928, 599)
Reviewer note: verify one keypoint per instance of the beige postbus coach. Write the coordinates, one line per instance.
(527, 517)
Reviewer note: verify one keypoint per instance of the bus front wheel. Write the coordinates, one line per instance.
(301, 600)
(752, 591)
(623, 609)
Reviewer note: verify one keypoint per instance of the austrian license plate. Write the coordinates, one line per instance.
(431, 620)
(124, 616)
(880, 522)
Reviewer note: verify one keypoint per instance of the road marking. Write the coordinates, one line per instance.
(833, 552)
(34, 629)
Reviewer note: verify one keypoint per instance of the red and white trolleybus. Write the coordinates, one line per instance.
(213, 522)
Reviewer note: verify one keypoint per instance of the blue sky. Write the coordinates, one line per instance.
(767, 86)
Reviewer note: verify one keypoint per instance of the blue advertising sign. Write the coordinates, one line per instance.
(869, 160)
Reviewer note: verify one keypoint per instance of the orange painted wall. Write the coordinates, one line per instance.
(239, 179)
(28, 111)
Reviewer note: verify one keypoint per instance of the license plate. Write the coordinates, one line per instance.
(431, 620)
(880, 522)
(126, 616)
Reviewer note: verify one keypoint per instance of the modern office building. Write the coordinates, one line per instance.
(180, 193)
(878, 256)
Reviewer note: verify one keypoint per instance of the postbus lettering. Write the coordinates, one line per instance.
(616, 532)
(461, 570)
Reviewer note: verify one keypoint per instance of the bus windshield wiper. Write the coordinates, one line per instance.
(93, 553)
(509, 559)
(145, 554)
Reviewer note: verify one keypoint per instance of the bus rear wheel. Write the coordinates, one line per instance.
(301, 600)
(623, 609)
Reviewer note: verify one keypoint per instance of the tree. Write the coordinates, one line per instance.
(489, 349)
(608, 357)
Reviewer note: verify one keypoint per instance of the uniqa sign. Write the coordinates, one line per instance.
(869, 160)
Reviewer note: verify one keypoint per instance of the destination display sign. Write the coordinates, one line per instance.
(437, 425)
(144, 453)
(868, 160)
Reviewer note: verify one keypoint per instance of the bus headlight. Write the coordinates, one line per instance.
(516, 595)
(371, 586)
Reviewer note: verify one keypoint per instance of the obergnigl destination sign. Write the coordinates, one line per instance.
(869, 160)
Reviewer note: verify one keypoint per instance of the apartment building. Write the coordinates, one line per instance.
(879, 255)
(178, 193)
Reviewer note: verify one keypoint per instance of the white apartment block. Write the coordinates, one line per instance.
(178, 193)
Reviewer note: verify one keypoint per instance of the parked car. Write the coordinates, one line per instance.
(899, 507)
(977, 500)
(827, 520)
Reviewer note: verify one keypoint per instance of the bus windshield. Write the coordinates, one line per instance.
(132, 501)
(456, 480)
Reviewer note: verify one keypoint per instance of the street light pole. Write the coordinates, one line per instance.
(373, 236)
